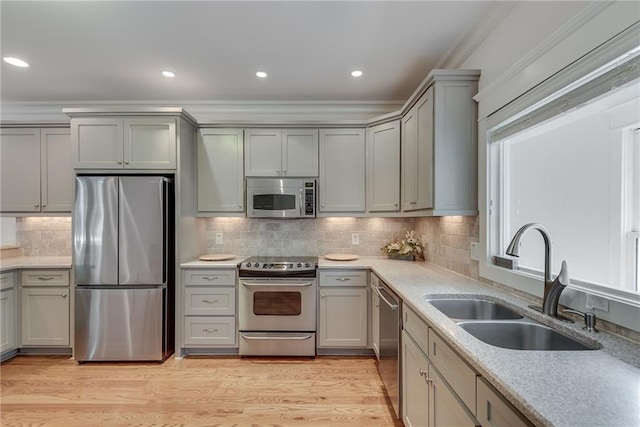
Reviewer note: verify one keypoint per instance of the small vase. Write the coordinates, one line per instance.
(405, 257)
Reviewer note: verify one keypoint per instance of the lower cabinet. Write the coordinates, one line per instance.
(45, 308)
(343, 309)
(440, 389)
(8, 335)
(209, 308)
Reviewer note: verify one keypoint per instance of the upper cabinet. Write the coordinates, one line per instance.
(383, 167)
(439, 147)
(281, 152)
(220, 179)
(342, 171)
(124, 143)
(35, 170)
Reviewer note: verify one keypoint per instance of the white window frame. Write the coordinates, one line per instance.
(491, 232)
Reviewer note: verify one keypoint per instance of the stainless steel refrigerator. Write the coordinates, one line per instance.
(123, 258)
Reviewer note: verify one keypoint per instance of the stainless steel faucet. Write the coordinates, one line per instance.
(552, 288)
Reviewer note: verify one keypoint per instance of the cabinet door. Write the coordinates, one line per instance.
(220, 175)
(424, 151)
(383, 167)
(495, 411)
(7, 320)
(97, 143)
(343, 317)
(409, 160)
(342, 170)
(263, 152)
(150, 143)
(300, 152)
(415, 390)
(45, 316)
(445, 409)
(20, 170)
(57, 170)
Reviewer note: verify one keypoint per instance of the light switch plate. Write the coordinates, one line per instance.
(596, 302)
(355, 239)
(475, 251)
(219, 238)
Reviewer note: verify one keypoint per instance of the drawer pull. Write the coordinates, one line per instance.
(45, 278)
(343, 279)
(425, 374)
(63, 295)
(210, 301)
(209, 330)
(210, 278)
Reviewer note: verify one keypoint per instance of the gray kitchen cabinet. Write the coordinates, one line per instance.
(35, 171)
(281, 152)
(415, 389)
(383, 167)
(445, 408)
(439, 147)
(343, 309)
(375, 316)
(45, 308)
(123, 143)
(220, 171)
(494, 410)
(8, 331)
(342, 171)
(209, 308)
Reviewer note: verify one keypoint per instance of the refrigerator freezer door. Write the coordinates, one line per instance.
(142, 231)
(119, 324)
(95, 231)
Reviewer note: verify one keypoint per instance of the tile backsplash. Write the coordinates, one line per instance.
(44, 236)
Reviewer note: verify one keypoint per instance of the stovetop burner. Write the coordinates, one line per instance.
(278, 265)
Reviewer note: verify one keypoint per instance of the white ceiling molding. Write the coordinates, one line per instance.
(571, 26)
(475, 35)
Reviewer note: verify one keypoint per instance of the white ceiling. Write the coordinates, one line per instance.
(115, 50)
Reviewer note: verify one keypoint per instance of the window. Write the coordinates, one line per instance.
(571, 162)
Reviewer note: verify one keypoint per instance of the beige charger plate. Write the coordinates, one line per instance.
(217, 257)
(341, 257)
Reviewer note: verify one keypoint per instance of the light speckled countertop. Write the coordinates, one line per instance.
(42, 262)
(231, 263)
(556, 388)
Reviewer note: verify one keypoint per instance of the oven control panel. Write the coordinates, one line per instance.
(279, 265)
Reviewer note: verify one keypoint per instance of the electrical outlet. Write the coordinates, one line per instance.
(475, 251)
(219, 238)
(596, 302)
(355, 239)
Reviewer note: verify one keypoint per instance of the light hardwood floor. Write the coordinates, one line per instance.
(216, 391)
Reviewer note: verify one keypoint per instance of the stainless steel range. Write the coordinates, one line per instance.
(277, 306)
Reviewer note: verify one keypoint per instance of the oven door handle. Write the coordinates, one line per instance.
(281, 285)
(390, 304)
(297, 337)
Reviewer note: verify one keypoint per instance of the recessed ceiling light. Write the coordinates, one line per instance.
(168, 73)
(356, 73)
(261, 74)
(17, 62)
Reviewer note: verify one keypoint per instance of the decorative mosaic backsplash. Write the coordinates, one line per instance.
(44, 236)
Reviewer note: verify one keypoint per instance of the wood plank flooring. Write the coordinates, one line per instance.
(195, 391)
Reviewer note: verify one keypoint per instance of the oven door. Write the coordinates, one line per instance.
(277, 304)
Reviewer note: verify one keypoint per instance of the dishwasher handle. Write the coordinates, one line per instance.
(379, 291)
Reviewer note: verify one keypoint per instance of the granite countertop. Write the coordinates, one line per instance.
(231, 263)
(42, 262)
(556, 388)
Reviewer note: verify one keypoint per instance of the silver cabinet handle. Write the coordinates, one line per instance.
(322, 295)
(126, 163)
(210, 278)
(35, 205)
(395, 204)
(210, 301)
(278, 171)
(63, 295)
(45, 278)
(343, 279)
(425, 374)
(119, 162)
(209, 330)
(284, 171)
(44, 206)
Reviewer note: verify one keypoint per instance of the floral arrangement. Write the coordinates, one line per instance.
(409, 246)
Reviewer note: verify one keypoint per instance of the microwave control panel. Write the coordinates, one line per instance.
(309, 200)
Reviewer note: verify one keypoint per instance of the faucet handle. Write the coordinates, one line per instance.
(563, 276)
(589, 319)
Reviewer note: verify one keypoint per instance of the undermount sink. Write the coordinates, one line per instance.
(522, 336)
(473, 309)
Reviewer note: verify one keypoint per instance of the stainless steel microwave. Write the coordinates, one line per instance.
(281, 198)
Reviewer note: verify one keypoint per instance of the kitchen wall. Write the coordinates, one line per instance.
(44, 236)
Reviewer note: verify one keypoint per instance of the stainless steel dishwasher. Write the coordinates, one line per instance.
(389, 335)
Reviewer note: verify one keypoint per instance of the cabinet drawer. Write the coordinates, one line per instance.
(460, 376)
(7, 280)
(210, 277)
(416, 327)
(343, 278)
(210, 331)
(44, 277)
(495, 410)
(207, 301)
